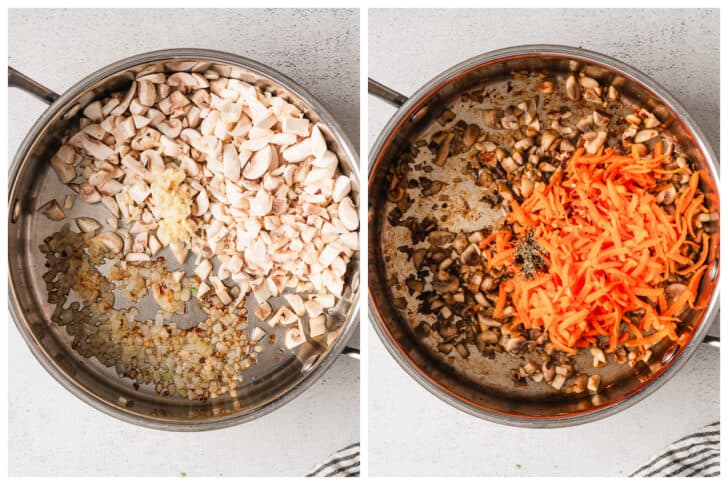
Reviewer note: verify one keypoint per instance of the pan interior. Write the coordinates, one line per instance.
(485, 383)
(277, 372)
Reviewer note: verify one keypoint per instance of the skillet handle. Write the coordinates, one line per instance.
(387, 94)
(16, 79)
(712, 341)
(351, 352)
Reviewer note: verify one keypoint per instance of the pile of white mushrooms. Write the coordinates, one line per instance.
(216, 167)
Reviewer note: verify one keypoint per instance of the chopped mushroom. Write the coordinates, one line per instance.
(87, 224)
(294, 337)
(52, 210)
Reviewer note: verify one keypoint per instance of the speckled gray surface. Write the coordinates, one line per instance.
(411, 432)
(52, 432)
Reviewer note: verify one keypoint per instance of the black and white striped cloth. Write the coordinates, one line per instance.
(695, 455)
(343, 463)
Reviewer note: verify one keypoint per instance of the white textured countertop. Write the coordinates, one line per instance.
(53, 433)
(411, 432)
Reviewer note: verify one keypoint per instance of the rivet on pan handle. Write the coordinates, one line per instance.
(17, 79)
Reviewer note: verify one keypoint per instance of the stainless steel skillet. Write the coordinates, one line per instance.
(482, 386)
(279, 375)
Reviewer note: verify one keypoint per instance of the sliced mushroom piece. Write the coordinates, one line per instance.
(523, 144)
(263, 310)
(558, 382)
(548, 370)
(284, 316)
(510, 122)
(294, 337)
(491, 117)
(342, 188)
(87, 224)
(667, 195)
(147, 94)
(173, 104)
(139, 192)
(257, 334)
(202, 290)
(472, 132)
(93, 111)
(297, 126)
(170, 128)
(589, 83)
(146, 139)
(261, 204)
(52, 210)
(673, 292)
(612, 93)
(231, 162)
(645, 135)
(443, 151)
(509, 165)
(317, 325)
(593, 383)
(260, 163)
(579, 384)
(485, 322)
(220, 290)
(348, 214)
(154, 245)
(179, 251)
(66, 173)
(471, 255)
(514, 344)
(296, 303)
(447, 283)
(68, 201)
(202, 203)
(600, 360)
(547, 139)
(566, 146)
(595, 141)
(261, 291)
(124, 104)
(96, 149)
(111, 204)
(318, 142)
(231, 112)
(705, 217)
(88, 193)
(600, 119)
(313, 308)
(138, 257)
(110, 240)
(298, 152)
(99, 178)
(649, 119)
(572, 88)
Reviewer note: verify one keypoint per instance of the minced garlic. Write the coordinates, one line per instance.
(173, 203)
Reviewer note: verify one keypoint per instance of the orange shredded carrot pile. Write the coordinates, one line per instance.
(611, 249)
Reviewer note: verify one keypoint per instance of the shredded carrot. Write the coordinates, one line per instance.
(611, 250)
(500, 303)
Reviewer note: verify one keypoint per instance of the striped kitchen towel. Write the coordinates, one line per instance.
(695, 455)
(343, 463)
